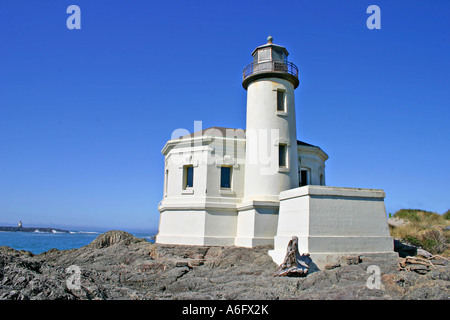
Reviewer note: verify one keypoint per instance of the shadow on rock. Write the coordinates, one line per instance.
(404, 250)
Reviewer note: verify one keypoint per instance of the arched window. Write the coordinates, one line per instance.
(304, 177)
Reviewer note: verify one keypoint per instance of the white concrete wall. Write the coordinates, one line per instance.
(204, 214)
(293, 221)
(207, 157)
(256, 224)
(181, 227)
(228, 153)
(197, 227)
(360, 213)
(174, 162)
(332, 221)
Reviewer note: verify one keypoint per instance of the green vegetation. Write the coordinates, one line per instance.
(447, 215)
(416, 215)
(424, 229)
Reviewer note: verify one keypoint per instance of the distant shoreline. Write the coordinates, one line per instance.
(33, 229)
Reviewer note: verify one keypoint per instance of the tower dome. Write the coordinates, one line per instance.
(270, 60)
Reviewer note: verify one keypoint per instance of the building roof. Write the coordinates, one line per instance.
(232, 133)
(223, 131)
(301, 143)
(271, 44)
(217, 132)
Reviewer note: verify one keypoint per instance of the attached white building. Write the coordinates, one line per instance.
(204, 187)
(224, 186)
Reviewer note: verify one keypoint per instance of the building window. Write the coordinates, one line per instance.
(282, 155)
(304, 178)
(322, 182)
(188, 177)
(225, 177)
(281, 105)
(166, 182)
(264, 54)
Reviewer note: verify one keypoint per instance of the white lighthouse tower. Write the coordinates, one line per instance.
(271, 163)
(271, 150)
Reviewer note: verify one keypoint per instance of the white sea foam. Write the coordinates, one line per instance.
(88, 232)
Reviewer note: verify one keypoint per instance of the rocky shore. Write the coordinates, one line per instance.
(117, 265)
(32, 229)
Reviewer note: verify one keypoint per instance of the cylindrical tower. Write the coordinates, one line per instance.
(271, 136)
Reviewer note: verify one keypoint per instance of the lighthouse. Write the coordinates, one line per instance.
(271, 162)
(222, 185)
(262, 186)
(271, 151)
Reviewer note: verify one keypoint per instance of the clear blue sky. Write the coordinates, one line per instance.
(85, 113)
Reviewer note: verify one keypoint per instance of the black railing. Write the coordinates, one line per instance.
(270, 66)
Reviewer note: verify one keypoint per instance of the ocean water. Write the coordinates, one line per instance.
(38, 242)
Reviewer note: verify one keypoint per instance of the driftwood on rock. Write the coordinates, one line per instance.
(294, 264)
(414, 263)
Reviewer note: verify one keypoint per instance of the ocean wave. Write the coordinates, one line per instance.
(87, 232)
(39, 231)
(55, 231)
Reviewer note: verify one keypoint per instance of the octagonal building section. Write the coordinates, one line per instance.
(311, 163)
(203, 183)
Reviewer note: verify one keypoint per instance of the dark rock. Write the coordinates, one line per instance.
(119, 266)
(114, 237)
(196, 262)
(331, 266)
(423, 253)
(404, 249)
(179, 264)
(419, 268)
(353, 260)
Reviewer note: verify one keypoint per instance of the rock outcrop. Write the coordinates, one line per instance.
(114, 237)
(119, 266)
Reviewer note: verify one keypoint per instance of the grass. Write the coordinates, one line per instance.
(424, 229)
